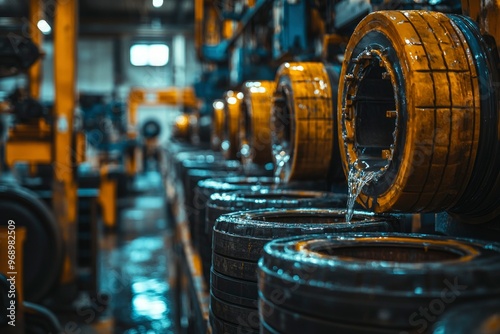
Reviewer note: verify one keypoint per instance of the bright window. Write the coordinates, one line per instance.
(149, 54)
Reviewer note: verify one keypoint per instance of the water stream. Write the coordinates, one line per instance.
(281, 159)
(356, 180)
(360, 174)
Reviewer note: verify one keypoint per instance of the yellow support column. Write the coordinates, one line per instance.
(107, 198)
(35, 71)
(228, 28)
(136, 97)
(198, 25)
(64, 187)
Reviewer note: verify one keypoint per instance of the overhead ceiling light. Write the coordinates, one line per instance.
(44, 27)
(139, 55)
(158, 54)
(149, 54)
(157, 3)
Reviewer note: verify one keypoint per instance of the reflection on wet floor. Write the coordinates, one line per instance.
(137, 264)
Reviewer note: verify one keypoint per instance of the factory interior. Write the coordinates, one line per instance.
(250, 166)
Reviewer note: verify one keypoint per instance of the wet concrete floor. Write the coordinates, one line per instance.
(136, 262)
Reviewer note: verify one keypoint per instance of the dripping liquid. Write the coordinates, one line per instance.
(281, 159)
(357, 179)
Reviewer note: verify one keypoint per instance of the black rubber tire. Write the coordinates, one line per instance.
(193, 210)
(233, 170)
(479, 318)
(239, 239)
(198, 160)
(481, 200)
(235, 287)
(222, 327)
(43, 245)
(336, 173)
(238, 297)
(235, 314)
(202, 193)
(241, 236)
(208, 162)
(216, 165)
(181, 159)
(402, 104)
(282, 320)
(230, 142)
(255, 131)
(447, 225)
(234, 299)
(189, 155)
(222, 203)
(302, 121)
(218, 124)
(381, 280)
(39, 320)
(235, 268)
(202, 233)
(175, 154)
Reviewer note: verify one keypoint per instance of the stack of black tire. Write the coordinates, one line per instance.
(202, 230)
(238, 242)
(374, 283)
(223, 176)
(268, 197)
(201, 235)
(195, 172)
(175, 153)
(192, 165)
(180, 163)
